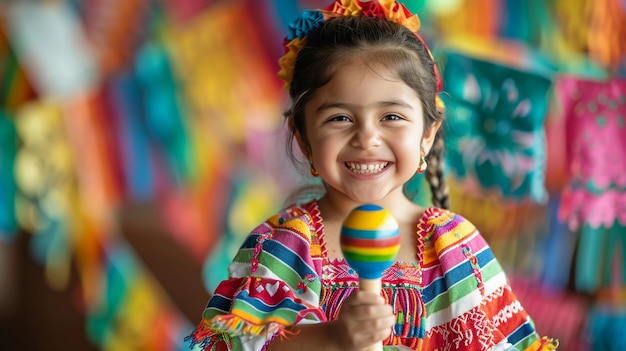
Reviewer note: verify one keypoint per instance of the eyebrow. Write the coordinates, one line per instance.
(329, 105)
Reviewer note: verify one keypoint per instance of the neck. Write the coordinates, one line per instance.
(336, 207)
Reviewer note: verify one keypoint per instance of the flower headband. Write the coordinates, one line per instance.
(310, 20)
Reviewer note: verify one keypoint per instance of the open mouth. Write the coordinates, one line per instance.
(366, 168)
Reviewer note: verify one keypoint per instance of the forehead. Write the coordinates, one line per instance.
(354, 80)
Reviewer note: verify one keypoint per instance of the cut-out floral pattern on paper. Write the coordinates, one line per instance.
(495, 129)
(595, 113)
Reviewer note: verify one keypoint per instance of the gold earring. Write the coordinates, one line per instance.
(423, 164)
(313, 171)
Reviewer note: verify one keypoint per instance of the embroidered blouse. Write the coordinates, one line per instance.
(454, 297)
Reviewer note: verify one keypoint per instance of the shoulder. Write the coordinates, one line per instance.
(446, 234)
(299, 220)
(286, 239)
(437, 223)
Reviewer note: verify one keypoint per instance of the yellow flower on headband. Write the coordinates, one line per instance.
(398, 13)
(288, 61)
(310, 20)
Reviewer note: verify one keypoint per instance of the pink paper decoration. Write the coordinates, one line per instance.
(595, 114)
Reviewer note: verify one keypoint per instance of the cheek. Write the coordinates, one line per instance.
(323, 149)
(408, 152)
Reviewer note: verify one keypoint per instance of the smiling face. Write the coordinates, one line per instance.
(364, 130)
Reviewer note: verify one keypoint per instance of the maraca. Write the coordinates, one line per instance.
(370, 240)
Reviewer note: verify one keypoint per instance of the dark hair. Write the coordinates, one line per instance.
(375, 41)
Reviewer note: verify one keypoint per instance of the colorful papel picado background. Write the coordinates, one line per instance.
(141, 140)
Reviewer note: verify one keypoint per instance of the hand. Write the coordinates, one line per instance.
(364, 319)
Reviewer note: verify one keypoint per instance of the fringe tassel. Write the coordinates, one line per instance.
(210, 334)
(543, 344)
(331, 302)
(411, 316)
(208, 338)
(237, 325)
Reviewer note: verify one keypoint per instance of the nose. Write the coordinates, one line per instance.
(366, 136)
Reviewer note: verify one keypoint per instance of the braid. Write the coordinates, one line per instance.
(434, 174)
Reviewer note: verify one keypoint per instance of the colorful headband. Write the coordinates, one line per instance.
(310, 20)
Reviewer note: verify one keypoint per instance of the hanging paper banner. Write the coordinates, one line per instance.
(115, 29)
(513, 17)
(556, 166)
(50, 44)
(129, 298)
(595, 29)
(44, 174)
(477, 18)
(225, 72)
(495, 129)
(195, 214)
(595, 117)
(164, 114)
(8, 188)
(183, 11)
(134, 147)
(574, 21)
(97, 167)
(14, 88)
(607, 32)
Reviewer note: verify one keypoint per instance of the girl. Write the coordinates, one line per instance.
(366, 115)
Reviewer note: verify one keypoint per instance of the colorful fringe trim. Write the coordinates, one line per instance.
(207, 338)
(543, 344)
(219, 332)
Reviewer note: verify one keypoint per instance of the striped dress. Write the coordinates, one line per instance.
(455, 297)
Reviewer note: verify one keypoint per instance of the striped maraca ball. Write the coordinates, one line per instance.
(370, 240)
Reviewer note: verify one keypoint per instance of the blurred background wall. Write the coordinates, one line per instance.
(140, 141)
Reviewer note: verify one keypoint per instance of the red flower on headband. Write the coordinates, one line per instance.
(372, 9)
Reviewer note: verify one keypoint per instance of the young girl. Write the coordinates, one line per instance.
(366, 115)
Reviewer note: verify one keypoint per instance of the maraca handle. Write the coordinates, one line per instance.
(373, 286)
(370, 285)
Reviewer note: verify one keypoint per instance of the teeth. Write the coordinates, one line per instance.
(369, 168)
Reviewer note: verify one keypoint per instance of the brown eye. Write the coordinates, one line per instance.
(339, 119)
(392, 117)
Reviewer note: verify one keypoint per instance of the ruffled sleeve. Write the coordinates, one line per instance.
(273, 284)
(469, 303)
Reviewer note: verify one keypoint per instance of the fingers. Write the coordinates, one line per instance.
(365, 319)
(364, 298)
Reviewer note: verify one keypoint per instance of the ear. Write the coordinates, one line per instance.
(302, 144)
(429, 136)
